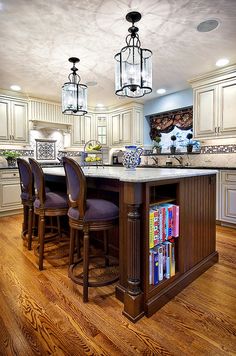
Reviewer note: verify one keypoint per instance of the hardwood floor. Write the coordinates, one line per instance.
(42, 313)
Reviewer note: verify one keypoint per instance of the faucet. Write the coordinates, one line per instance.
(179, 159)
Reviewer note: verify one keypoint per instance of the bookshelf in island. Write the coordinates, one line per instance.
(181, 196)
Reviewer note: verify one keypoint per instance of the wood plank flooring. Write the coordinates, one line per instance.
(42, 313)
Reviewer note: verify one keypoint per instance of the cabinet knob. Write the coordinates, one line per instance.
(14, 174)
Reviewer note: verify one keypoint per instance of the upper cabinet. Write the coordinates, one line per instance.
(215, 104)
(14, 120)
(101, 129)
(127, 126)
(82, 129)
(121, 128)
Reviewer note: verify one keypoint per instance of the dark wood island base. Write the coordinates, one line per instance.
(195, 247)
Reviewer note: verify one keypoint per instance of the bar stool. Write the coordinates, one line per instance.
(86, 215)
(27, 199)
(46, 204)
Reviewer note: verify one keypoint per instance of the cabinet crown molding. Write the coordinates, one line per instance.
(214, 76)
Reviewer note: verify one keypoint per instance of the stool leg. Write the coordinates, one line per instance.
(41, 240)
(59, 227)
(72, 246)
(25, 220)
(105, 239)
(85, 265)
(30, 226)
(78, 243)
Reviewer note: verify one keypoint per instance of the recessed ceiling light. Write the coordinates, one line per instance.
(15, 87)
(222, 62)
(100, 105)
(91, 84)
(208, 25)
(161, 91)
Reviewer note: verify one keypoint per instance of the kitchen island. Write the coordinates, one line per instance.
(195, 193)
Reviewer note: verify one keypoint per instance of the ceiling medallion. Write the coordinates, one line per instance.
(133, 75)
(74, 94)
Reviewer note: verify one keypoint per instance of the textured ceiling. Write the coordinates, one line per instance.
(38, 37)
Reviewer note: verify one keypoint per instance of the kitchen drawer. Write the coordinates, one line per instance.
(228, 177)
(9, 174)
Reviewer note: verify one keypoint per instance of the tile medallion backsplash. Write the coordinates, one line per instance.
(45, 149)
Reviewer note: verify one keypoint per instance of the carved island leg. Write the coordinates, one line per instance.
(133, 298)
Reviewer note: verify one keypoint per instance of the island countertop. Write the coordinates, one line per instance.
(139, 175)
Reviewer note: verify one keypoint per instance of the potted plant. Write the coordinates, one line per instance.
(11, 157)
(157, 147)
(190, 144)
(173, 147)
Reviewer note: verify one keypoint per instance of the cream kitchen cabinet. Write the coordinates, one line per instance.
(10, 201)
(214, 104)
(121, 128)
(101, 129)
(127, 126)
(228, 196)
(83, 129)
(14, 121)
(137, 125)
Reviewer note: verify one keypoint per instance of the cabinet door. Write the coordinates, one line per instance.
(137, 127)
(205, 112)
(126, 127)
(19, 113)
(10, 195)
(86, 128)
(76, 131)
(5, 120)
(228, 199)
(227, 108)
(115, 130)
(101, 129)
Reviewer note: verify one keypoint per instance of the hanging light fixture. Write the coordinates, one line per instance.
(133, 76)
(74, 94)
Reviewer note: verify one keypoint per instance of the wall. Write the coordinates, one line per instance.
(173, 101)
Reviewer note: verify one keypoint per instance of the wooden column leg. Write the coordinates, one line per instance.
(133, 299)
(106, 247)
(41, 239)
(85, 264)
(30, 227)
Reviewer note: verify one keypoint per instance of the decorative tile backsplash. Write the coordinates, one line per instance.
(206, 150)
(219, 149)
(23, 153)
(45, 149)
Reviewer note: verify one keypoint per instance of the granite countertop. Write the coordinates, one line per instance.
(187, 167)
(138, 175)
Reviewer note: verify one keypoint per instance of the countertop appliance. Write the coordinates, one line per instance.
(117, 157)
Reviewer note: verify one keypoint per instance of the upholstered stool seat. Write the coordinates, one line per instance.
(96, 209)
(87, 215)
(46, 204)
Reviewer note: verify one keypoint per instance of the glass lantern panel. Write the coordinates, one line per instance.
(131, 67)
(147, 68)
(69, 98)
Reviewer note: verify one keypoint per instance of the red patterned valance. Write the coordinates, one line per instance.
(165, 122)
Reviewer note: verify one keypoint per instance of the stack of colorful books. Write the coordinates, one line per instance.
(163, 228)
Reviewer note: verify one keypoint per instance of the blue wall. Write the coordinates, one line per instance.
(173, 101)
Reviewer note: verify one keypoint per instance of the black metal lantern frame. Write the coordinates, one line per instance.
(133, 77)
(74, 94)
